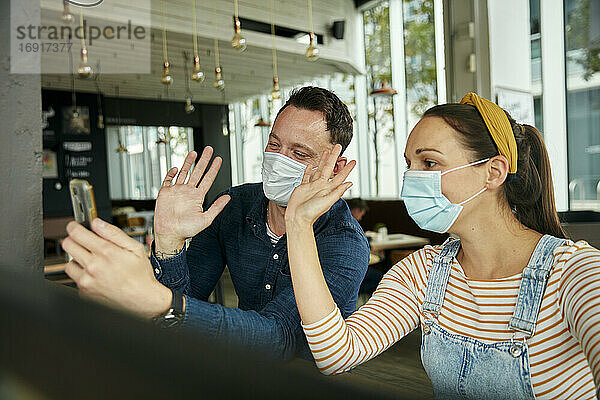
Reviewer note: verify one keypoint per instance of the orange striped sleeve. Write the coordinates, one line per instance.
(390, 314)
(579, 294)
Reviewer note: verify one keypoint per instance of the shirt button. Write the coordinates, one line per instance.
(275, 256)
(268, 287)
(156, 271)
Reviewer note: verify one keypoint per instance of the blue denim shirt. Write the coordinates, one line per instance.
(267, 318)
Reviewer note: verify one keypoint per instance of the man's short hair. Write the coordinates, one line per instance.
(337, 116)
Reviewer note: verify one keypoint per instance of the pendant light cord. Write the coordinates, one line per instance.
(274, 50)
(195, 29)
(82, 29)
(164, 33)
(310, 18)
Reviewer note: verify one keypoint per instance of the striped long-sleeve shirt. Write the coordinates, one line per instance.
(564, 352)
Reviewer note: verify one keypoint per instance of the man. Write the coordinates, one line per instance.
(244, 229)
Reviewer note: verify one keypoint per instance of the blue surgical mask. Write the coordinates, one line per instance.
(280, 176)
(426, 205)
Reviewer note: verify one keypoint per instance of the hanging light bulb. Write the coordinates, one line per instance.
(238, 42)
(189, 107)
(67, 16)
(275, 93)
(197, 73)
(312, 52)
(219, 83)
(166, 78)
(84, 70)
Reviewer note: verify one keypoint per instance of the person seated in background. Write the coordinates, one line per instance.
(244, 229)
(509, 308)
(358, 208)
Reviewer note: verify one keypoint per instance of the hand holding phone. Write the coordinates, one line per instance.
(84, 203)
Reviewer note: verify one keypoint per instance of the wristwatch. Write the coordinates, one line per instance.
(173, 316)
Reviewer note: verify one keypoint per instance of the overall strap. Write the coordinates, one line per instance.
(438, 277)
(533, 285)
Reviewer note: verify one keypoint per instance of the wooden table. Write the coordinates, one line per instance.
(398, 241)
(394, 241)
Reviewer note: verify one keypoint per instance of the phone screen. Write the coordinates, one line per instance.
(84, 204)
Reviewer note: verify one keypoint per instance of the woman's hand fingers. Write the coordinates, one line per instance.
(201, 165)
(338, 192)
(185, 168)
(330, 161)
(343, 174)
(319, 171)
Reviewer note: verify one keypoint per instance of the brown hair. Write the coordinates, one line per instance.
(337, 116)
(529, 192)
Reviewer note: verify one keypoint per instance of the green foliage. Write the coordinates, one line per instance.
(578, 38)
(419, 53)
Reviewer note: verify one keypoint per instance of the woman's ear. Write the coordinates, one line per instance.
(339, 165)
(497, 172)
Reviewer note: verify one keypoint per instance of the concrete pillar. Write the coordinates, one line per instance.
(21, 240)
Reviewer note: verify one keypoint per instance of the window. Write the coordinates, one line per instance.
(420, 59)
(140, 156)
(400, 43)
(583, 102)
(382, 140)
(250, 134)
(409, 66)
(536, 62)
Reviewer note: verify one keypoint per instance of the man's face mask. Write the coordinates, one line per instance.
(281, 175)
(426, 205)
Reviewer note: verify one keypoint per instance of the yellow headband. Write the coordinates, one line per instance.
(497, 123)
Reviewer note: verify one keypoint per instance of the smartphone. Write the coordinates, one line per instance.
(84, 204)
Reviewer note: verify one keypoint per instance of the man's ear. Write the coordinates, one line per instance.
(339, 165)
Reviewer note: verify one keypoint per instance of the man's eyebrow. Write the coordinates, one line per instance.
(297, 145)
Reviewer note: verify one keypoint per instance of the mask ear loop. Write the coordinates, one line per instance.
(472, 197)
(465, 166)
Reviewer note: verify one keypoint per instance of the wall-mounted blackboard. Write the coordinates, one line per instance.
(74, 147)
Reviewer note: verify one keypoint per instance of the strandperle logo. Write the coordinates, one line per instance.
(116, 33)
(85, 3)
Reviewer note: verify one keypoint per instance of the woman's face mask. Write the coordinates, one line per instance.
(426, 205)
(281, 175)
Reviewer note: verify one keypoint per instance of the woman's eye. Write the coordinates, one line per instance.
(299, 155)
(274, 145)
(430, 164)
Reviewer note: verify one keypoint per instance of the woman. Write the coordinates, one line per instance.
(510, 310)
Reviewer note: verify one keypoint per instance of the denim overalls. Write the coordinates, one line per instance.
(462, 367)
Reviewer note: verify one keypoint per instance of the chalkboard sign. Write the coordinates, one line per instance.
(74, 147)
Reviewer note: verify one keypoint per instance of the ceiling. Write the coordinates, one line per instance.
(245, 74)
